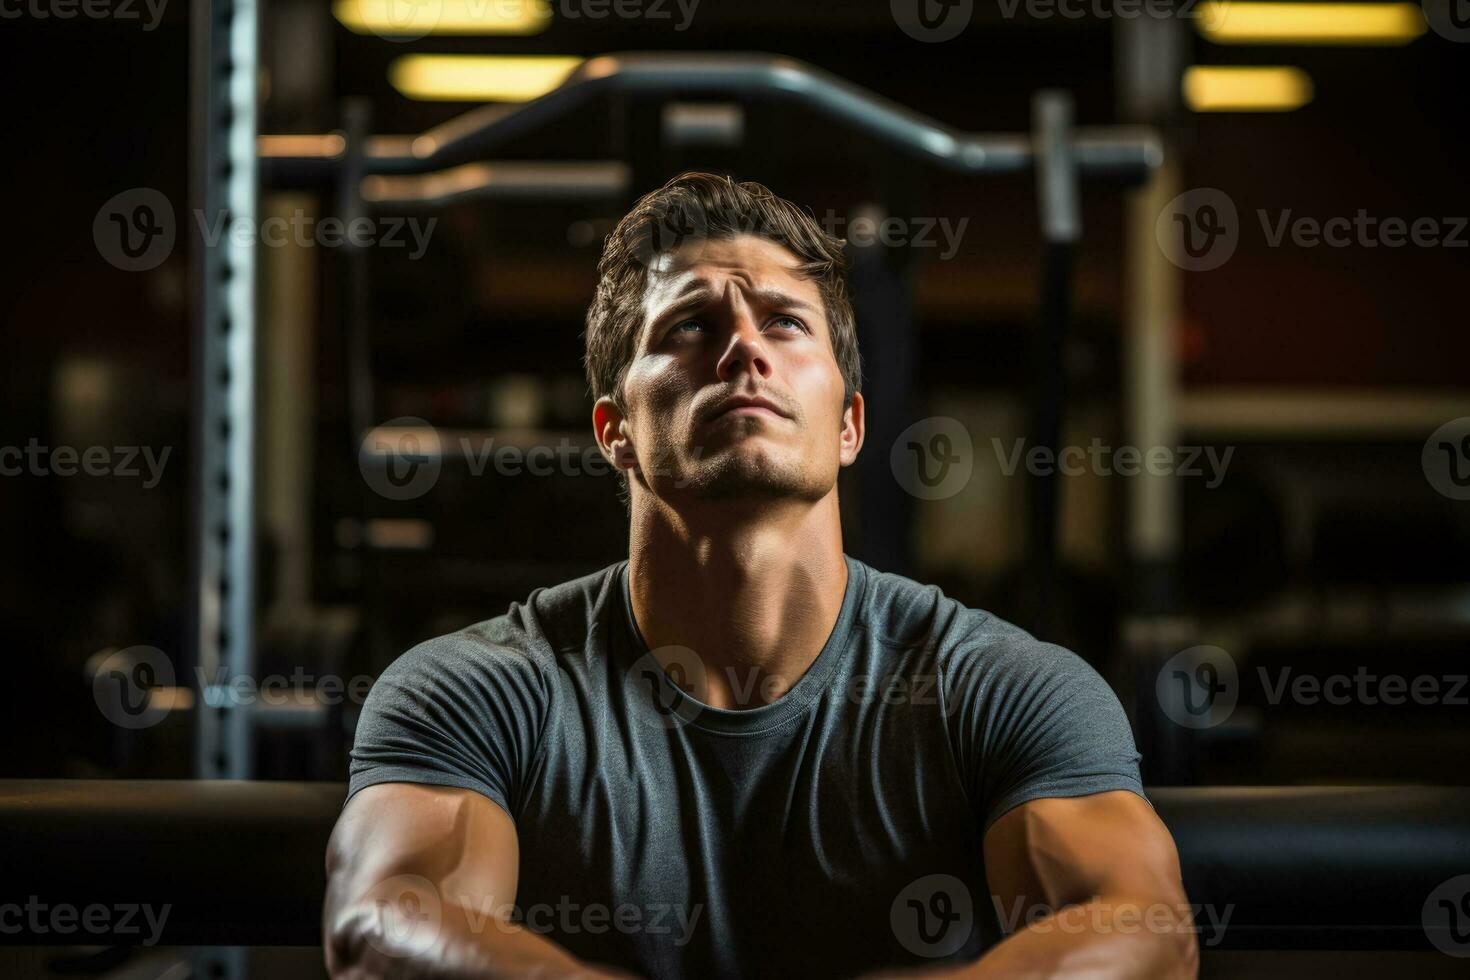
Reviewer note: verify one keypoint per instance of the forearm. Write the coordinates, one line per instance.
(381, 943)
(1099, 939)
(1110, 939)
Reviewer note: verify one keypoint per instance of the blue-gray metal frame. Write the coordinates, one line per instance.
(226, 97)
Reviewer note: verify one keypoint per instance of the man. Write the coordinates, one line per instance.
(741, 753)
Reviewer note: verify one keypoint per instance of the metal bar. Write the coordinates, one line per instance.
(1057, 168)
(882, 286)
(357, 281)
(1123, 152)
(1151, 380)
(499, 181)
(703, 124)
(226, 90)
(288, 397)
(225, 62)
(1061, 224)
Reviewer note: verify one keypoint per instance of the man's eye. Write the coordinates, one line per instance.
(680, 327)
(790, 322)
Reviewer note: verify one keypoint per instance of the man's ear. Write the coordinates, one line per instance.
(610, 428)
(851, 439)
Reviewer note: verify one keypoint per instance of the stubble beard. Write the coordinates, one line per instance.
(728, 468)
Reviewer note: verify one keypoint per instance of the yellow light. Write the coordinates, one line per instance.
(1243, 22)
(307, 145)
(479, 78)
(416, 18)
(1234, 89)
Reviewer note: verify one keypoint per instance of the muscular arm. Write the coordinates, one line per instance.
(1109, 868)
(1091, 886)
(420, 884)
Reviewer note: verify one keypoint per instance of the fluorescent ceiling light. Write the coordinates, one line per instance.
(480, 78)
(1241, 89)
(1248, 22)
(416, 18)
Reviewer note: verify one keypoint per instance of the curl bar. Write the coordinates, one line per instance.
(1127, 153)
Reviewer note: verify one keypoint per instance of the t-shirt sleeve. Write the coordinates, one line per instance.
(1031, 720)
(458, 710)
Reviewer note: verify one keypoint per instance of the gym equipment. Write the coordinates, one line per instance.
(1128, 153)
(240, 863)
(223, 107)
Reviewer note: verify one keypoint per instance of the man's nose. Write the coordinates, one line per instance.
(744, 350)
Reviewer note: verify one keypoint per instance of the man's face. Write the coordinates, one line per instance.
(731, 319)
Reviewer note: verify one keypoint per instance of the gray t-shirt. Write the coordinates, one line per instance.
(832, 831)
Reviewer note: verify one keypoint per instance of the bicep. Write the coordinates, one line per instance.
(405, 843)
(1060, 851)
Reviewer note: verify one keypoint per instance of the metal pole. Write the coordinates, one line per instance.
(225, 100)
(883, 301)
(1151, 52)
(1061, 226)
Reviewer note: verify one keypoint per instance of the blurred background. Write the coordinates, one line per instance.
(240, 445)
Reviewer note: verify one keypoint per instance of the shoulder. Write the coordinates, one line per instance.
(900, 612)
(971, 647)
(1006, 688)
(556, 619)
(985, 640)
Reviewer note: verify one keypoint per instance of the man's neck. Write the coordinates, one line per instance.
(754, 596)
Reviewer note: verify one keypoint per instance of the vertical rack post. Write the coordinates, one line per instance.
(1061, 225)
(225, 97)
(882, 288)
(225, 103)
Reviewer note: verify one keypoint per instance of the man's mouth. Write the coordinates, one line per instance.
(747, 405)
(750, 410)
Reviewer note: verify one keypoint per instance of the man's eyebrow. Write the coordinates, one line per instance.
(775, 297)
(697, 292)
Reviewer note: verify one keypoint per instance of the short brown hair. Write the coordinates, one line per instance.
(700, 206)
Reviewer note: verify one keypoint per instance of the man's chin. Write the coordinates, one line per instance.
(745, 475)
